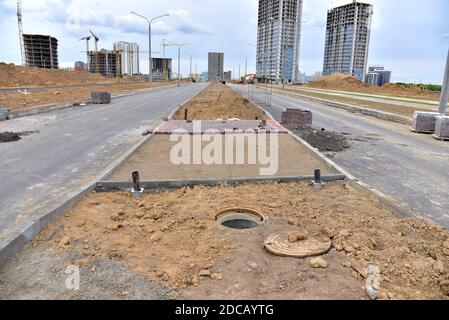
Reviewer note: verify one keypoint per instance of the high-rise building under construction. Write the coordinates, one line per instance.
(129, 57)
(347, 39)
(40, 51)
(278, 40)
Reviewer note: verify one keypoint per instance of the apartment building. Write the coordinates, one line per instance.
(278, 40)
(347, 39)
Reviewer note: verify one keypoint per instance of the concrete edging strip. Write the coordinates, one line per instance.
(66, 105)
(105, 186)
(366, 111)
(10, 249)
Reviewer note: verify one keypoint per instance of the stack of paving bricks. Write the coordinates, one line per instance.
(425, 121)
(442, 127)
(296, 118)
(4, 113)
(101, 97)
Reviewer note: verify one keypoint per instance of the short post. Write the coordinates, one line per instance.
(137, 191)
(317, 183)
(317, 176)
(186, 114)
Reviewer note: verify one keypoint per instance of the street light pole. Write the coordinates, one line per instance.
(150, 74)
(445, 89)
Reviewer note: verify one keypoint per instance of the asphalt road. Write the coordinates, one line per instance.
(71, 147)
(409, 167)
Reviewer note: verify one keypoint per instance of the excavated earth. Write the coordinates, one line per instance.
(170, 240)
(220, 102)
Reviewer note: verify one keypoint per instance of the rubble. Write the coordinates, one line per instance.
(319, 263)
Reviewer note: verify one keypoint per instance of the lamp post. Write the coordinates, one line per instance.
(150, 75)
(445, 89)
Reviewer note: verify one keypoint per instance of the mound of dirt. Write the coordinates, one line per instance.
(338, 81)
(19, 76)
(220, 102)
(346, 82)
(325, 141)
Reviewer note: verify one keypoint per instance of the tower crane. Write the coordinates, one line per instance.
(97, 63)
(87, 39)
(19, 21)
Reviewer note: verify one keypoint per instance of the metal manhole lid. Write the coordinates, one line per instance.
(278, 244)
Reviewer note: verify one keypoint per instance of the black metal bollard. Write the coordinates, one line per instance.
(317, 176)
(186, 114)
(136, 181)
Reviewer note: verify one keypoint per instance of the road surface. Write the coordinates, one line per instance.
(409, 167)
(71, 147)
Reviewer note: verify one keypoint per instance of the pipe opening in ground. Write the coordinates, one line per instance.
(240, 218)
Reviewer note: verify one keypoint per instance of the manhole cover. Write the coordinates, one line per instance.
(278, 244)
(240, 218)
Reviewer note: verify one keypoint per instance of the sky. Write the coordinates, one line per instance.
(409, 37)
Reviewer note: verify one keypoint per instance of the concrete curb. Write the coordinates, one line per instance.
(391, 203)
(10, 249)
(173, 114)
(4, 113)
(61, 106)
(352, 108)
(107, 186)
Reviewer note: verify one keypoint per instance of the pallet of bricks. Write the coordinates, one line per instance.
(424, 122)
(442, 128)
(296, 118)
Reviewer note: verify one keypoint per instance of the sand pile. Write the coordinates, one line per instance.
(220, 102)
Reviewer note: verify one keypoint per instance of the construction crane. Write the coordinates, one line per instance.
(87, 39)
(19, 20)
(171, 44)
(164, 69)
(97, 63)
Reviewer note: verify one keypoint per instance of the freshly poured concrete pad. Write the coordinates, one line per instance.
(278, 244)
(153, 162)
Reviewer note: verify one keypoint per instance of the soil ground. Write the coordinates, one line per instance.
(208, 261)
(220, 102)
(153, 162)
(19, 101)
(18, 76)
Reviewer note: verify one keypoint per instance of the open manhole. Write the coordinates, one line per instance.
(240, 218)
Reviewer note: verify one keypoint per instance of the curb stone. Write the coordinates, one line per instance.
(349, 107)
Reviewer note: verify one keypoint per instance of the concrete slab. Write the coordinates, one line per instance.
(172, 126)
